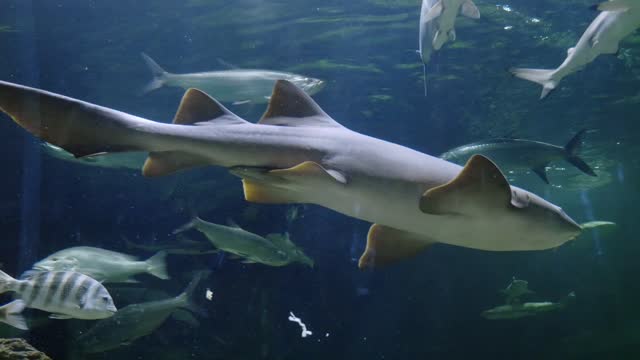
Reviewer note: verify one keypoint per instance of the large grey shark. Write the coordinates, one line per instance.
(618, 19)
(234, 85)
(297, 153)
(437, 26)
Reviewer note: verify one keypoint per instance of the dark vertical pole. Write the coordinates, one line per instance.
(31, 172)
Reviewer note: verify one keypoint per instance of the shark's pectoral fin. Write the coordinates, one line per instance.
(386, 245)
(433, 12)
(452, 34)
(290, 106)
(478, 187)
(470, 10)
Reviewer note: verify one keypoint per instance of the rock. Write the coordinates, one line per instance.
(19, 349)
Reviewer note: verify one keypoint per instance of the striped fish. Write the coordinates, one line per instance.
(65, 294)
(11, 314)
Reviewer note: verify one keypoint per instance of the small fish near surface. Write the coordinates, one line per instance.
(135, 321)
(253, 248)
(11, 314)
(517, 311)
(297, 153)
(618, 19)
(523, 154)
(437, 26)
(103, 265)
(238, 86)
(65, 294)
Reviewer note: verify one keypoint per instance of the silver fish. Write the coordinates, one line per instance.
(523, 154)
(298, 154)
(293, 251)
(235, 85)
(103, 265)
(517, 311)
(11, 314)
(65, 294)
(135, 321)
(235, 240)
(515, 290)
(618, 19)
(181, 246)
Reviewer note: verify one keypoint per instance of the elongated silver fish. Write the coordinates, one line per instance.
(235, 240)
(181, 246)
(293, 251)
(103, 265)
(234, 85)
(65, 294)
(11, 314)
(523, 154)
(517, 311)
(135, 321)
(618, 19)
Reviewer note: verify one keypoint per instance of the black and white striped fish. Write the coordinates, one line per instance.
(65, 294)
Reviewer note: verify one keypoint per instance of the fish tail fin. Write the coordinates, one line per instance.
(188, 226)
(186, 298)
(571, 153)
(544, 77)
(12, 314)
(6, 282)
(157, 265)
(159, 74)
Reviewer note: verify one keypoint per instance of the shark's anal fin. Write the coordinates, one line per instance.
(479, 186)
(263, 193)
(470, 10)
(386, 245)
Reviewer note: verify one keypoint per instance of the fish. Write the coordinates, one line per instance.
(181, 246)
(104, 265)
(11, 314)
(238, 86)
(437, 26)
(617, 19)
(294, 252)
(524, 154)
(135, 321)
(517, 311)
(297, 153)
(515, 290)
(65, 294)
(253, 248)
(127, 161)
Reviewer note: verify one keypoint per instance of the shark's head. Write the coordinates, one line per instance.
(310, 85)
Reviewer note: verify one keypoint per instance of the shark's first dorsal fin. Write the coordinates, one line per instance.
(198, 107)
(290, 106)
(478, 187)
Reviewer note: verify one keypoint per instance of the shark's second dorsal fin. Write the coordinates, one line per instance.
(198, 107)
(290, 106)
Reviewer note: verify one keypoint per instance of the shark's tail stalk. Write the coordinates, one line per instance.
(158, 73)
(157, 265)
(571, 153)
(544, 77)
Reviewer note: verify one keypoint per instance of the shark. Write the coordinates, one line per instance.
(238, 86)
(437, 26)
(617, 19)
(297, 153)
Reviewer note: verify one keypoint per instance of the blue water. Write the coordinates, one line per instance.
(426, 307)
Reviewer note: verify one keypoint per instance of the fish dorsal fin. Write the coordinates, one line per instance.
(198, 107)
(480, 186)
(232, 223)
(280, 240)
(386, 245)
(290, 106)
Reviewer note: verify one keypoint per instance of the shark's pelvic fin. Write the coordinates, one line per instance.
(264, 193)
(470, 10)
(480, 180)
(386, 245)
(196, 108)
(290, 106)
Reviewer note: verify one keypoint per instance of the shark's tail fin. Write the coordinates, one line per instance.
(11, 314)
(571, 153)
(157, 265)
(544, 77)
(159, 74)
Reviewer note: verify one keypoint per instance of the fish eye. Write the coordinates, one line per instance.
(105, 299)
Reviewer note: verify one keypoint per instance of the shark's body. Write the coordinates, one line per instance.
(618, 19)
(298, 154)
(437, 25)
(232, 85)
